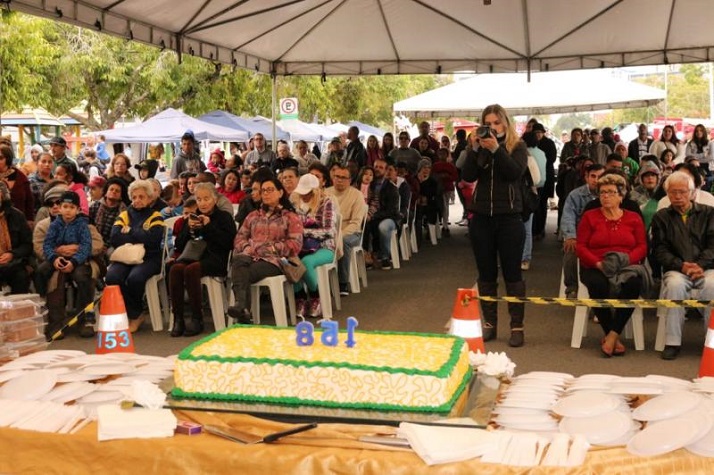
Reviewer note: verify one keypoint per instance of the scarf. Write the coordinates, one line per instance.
(5, 242)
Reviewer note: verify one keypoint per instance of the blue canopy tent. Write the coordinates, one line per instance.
(367, 129)
(302, 131)
(250, 126)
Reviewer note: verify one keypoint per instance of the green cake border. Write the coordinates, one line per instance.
(440, 372)
(185, 354)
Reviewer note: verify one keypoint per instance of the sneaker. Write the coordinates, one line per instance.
(241, 315)
(301, 307)
(315, 308)
(386, 264)
(525, 265)
(344, 290)
(87, 329)
(463, 222)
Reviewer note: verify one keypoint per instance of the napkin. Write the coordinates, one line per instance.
(136, 423)
(492, 364)
(436, 445)
(146, 393)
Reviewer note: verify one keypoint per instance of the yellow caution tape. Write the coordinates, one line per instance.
(617, 303)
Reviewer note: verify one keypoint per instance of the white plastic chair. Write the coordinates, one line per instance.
(358, 266)
(433, 234)
(279, 288)
(412, 230)
(157, 297)
(394, 250)
(328, 284)
(580, 323)
(217, 299)
(404, 246)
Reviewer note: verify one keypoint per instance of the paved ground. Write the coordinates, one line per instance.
(419, 297)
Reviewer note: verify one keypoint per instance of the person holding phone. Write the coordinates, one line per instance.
(496, 227)
(215, 226)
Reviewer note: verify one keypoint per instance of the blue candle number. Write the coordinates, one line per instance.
(304, 334)
(352, 323)
(329, 333)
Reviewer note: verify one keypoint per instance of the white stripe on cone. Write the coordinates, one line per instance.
(113, 323)
(466, 328)
(709, 341)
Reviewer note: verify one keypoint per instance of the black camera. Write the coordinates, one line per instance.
(484, 132)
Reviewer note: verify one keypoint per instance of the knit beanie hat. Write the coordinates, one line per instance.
(648, 167)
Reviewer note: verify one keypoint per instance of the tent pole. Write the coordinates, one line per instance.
(274, 87)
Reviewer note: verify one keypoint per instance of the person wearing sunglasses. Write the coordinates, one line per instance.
(404, 153)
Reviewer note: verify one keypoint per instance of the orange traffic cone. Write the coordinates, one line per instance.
(466, 319)
(113, 335)
(706, 367)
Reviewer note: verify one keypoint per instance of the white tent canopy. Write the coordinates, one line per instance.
(169, 126)
(546, 93)
(351, 37)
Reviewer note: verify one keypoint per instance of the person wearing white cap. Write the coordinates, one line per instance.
(317, 214)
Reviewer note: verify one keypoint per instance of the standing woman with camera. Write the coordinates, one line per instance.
(497, 164)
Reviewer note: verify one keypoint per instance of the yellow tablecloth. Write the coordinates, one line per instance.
(331, 448)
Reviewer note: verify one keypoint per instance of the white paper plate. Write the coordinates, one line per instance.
(69, 392)
(77, 376)
(29, 386)
(541, 417)
(669, 380)
(12, 374)
(598, 429)
(100, 397)
(551, 426)
(625, 388)
(596, 377)
(665, 436)
(704, 446)
(526, 404)
(547, 374)
(15, 365)
(110, 369)
(667, 406)
(586, 404)
(518, 411)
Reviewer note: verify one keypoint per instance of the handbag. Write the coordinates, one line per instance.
(193, 251)
(129, 254)
(293, 268)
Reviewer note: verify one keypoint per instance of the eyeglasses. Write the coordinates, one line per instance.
(678, 192)
(50, 204)
(341, 177)
(608, 193)
(268, 190)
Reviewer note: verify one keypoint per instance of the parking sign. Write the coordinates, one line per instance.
(289, 108)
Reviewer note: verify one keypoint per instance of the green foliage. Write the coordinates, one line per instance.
(567, 122)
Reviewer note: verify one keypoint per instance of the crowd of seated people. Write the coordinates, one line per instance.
(62, 222)
(621, 205)
(647, 202)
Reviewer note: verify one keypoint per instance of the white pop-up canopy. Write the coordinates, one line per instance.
(356, 37)
(169, 126)
(546, 93)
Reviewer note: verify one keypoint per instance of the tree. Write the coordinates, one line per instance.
(59, 67)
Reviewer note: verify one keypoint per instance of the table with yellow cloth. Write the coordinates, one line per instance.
(331, 448)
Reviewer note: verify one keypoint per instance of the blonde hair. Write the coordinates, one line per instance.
(512, 139)
(318, 195)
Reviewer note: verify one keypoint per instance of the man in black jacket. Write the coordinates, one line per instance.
(385, 219)
(355, 150)
(683, 241)
(548, 188)
(640, 146)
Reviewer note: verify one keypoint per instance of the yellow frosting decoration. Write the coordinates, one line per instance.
(406, 371)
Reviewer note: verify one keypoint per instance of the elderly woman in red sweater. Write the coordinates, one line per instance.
(611, 244)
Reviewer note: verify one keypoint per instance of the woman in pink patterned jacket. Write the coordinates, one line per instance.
(268, 234)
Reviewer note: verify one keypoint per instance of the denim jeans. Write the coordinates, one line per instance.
(386, 227)
(343, 265)
(528, 244)
(677, 286)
